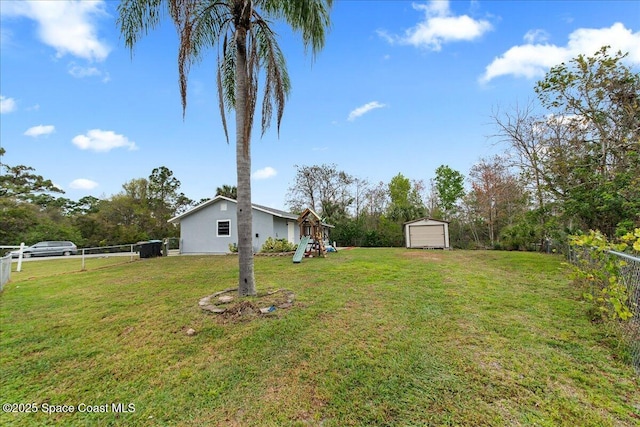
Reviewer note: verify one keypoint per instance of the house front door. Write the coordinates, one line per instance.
(291, 236)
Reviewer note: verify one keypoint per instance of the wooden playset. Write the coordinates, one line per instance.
(313, 233)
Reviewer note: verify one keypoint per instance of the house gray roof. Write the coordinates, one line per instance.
(274, 212)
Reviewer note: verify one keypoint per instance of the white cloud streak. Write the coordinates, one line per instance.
(80, 72)
(7, 105)
(102, 141)
(439, 26)
(40, 130)
(364, 109)
(264, 173)
(533, 60)
(83, 184)
(536, 36)
(67, 26)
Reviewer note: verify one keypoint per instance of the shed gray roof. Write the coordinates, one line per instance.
(426, 219)
(274, 212)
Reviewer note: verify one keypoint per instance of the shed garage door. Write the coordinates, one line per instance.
(423, 236)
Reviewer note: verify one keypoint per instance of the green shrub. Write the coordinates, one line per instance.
(599, 273)
(272, 245)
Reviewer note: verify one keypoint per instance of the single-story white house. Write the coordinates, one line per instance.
(211, 227)
(427, 233)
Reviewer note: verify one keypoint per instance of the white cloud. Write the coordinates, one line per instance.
(40, 130)
(80, 72)
(440, 26)
(528, 61)
(569, 121)
(83, 184)
(7, 105)
(534, 60)
(67, 26)
(364, 109)
(536, 36)
(103, 141)
(264, 173)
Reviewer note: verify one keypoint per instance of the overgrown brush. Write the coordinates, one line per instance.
(599, 272)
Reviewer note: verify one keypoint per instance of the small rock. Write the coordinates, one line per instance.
(225, 299)
(212, 308)
(247, 311)
(204, 301)
(191, 332)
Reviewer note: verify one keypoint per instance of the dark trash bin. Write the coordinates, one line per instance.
(156, 247)
(145, 249)
(150, 249)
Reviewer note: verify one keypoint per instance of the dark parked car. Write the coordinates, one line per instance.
(48, 249)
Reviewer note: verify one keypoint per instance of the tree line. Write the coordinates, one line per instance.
(571, 163)
(32, 209)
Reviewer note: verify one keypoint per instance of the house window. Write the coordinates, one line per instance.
(224, 228)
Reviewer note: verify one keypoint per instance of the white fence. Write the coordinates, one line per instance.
(101, 251)
(5, 270)
(5, 265)
(130, 250)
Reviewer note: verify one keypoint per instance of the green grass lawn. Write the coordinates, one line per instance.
(377, 337)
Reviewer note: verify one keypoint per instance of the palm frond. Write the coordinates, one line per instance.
(308, 17)
(223, 114)
(228, 69)
(181, 11)
(212, 24)
(253, 72)
(137, 17)
(204, 24)
(277, 83)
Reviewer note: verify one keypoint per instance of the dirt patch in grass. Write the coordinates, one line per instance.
(230, 308)
(425, 254)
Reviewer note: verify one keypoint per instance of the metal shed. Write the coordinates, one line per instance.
(427, 233)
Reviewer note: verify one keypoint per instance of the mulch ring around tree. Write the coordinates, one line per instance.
(230, 308)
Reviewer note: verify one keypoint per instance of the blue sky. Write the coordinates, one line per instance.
(400, 87)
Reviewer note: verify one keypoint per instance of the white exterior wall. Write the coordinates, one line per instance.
(198, 231)
(281, 228)
(262, 228)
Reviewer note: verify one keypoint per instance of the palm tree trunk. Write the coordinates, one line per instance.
(246, 283)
